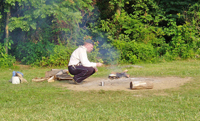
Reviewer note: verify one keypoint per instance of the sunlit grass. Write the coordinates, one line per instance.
(46, 101)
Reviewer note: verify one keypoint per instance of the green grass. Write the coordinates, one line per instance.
(46, 101)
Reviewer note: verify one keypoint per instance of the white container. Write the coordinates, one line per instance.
(102, 83)
(15, 80)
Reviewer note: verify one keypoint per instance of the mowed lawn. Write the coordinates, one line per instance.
(45, 101)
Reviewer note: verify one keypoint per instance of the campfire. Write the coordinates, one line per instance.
(116, 75)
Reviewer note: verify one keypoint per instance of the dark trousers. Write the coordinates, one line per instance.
(80, 72)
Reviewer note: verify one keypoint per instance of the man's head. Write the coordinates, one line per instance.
(89, 44)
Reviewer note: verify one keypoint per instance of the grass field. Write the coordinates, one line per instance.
(46, 101)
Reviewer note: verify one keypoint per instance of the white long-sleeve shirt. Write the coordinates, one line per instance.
(80, 56)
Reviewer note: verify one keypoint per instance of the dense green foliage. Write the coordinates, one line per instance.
(126, 31)
(144, 32)
(31, 53)
(59, 57)
(5, 59)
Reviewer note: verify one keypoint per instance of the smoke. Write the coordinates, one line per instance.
(109, 53)
(69, 22)
(90, 23)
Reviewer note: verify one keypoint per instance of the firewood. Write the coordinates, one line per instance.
(52, 79)
(39, 79)
(64, 77)
(135, 85)
(21, 78)
(54, 72)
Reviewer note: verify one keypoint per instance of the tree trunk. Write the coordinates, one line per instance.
(6, 29)
(118, 11)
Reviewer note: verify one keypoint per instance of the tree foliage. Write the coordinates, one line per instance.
(45, 32)
(148, 24)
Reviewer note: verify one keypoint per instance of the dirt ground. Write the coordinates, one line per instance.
(159, 83)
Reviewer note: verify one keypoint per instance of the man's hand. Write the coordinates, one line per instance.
(95, 69)
(99, 64)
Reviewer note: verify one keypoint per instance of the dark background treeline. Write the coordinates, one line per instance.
(45, 32)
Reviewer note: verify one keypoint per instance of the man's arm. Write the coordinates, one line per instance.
(84, 59)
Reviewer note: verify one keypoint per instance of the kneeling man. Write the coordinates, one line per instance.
(79, 65)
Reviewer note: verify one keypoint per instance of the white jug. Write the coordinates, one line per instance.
(15, 80)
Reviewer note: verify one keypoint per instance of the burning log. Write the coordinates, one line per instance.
(116, 75)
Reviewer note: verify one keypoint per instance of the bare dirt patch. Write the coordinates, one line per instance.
(159, 83)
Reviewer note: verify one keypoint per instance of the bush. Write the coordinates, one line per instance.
(184, 43)
(59, 57)
(133, 52)
(5, 59)
(143, 52)
(32, 53)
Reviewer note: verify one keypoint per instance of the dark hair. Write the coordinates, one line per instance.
(89, 41)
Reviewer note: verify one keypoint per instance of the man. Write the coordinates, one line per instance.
(79, 65)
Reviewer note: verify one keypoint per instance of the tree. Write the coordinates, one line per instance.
(60, 16)
(49, 21)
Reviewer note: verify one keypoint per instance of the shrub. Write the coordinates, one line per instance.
(59, 57)
(133, 52)
(32, 53)
(5, 59)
